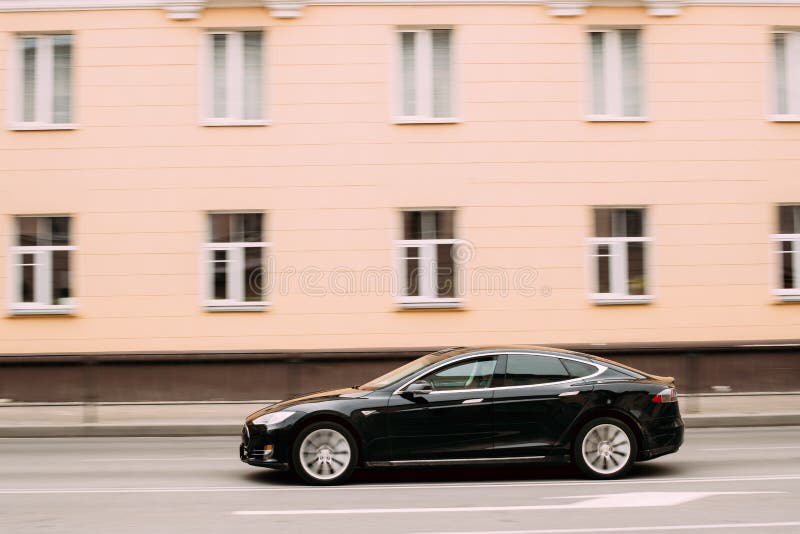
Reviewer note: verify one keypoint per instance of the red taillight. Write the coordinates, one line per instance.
(666, 395)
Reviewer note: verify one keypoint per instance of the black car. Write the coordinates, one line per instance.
(469, 406)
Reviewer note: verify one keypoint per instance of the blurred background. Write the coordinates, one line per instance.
(231, 202)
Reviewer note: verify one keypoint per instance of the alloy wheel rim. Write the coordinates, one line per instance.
(325, 454)
(606, 449)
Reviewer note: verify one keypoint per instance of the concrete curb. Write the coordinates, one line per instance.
(743, 420)
(111, 430)
(233, 429)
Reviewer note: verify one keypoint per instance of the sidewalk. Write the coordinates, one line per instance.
(219, 419)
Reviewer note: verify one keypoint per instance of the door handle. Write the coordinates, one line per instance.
(472, 401)
(568, 393)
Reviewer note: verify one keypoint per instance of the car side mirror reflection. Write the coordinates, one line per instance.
(417, 388)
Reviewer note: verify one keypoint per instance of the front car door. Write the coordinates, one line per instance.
(538, 401)
(453, 421)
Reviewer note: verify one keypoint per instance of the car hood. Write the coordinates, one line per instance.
(311, 398)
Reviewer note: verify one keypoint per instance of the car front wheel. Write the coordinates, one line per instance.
(605, 448)
(324, 453)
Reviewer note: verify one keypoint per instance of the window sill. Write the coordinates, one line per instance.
(258, 307)
(617, 301)
(787, 298)
(438, 304)
(425, 120)
(784, 118)
(233, 122)
(38, 126)
(49, 310)
(610, 118)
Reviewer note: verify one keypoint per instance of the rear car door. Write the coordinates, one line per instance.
(538, 401)
(453, 421)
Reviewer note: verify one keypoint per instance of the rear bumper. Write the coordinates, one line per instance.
(664, 436)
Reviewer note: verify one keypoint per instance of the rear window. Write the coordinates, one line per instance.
(578, 369)
(630, 371)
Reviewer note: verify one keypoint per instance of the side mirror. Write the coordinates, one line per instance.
(418, 388)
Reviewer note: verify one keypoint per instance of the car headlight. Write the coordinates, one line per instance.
(272, 418)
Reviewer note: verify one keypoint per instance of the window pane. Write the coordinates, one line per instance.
(445, 271)
(220, 228)
(28, 231)
(525, 370)
(409, 72)
(781, 68)
(634, 223)
(60, 276)
(220, 274)
(444, 224)
(412, 225)
(631, 73)
(476, 374)
(219, 74)
(59, 230)
(636, 280)
(787, 265)
(413, 272)
(789, 219)
(252, 75)
(598, 74)
(578, 369)
(28, 278)
(254, 278)
(62, 78)
(252, 226)
(602, 222)
(603, 269)
(441, 73)
(29, 79)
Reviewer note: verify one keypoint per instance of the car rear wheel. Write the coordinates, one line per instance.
(324, 453)
(605, 448)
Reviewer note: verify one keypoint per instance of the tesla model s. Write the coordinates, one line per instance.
(470, 406)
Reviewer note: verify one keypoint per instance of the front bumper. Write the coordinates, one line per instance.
(260, 448)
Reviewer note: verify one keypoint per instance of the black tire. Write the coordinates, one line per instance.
(322, 460)
(605, 448)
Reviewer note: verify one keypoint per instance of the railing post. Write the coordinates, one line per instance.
(693, 374)
(295, 376)
(89, 390)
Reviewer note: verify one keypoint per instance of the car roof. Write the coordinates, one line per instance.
(457, 351)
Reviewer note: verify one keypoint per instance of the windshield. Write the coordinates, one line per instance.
(396, 375)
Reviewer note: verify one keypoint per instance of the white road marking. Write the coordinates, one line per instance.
(775, 448)
(648, 528)
(605, 502)
(372, 487)
(182, 459)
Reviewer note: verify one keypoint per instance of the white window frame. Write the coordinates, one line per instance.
(234, 79)
(424, 77)
(43, 107)
(792, 78)
(613, 87)
(787, 294)
(618, 265)
(43, 271)
(781, 293)
(236, 259)
(428, 266)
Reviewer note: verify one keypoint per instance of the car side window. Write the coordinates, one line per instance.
(579, 369)
(473, 374)
(531, 369)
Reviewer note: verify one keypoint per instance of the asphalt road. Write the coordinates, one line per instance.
(723, 480)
